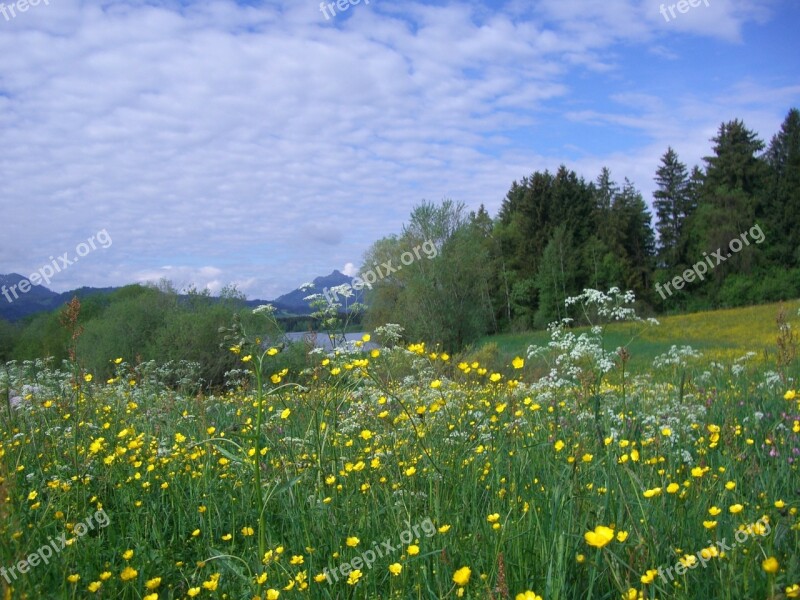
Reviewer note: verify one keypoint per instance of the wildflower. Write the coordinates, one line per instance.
(153, 583)
(354, 576)
(153, 596)
(444, 529)
(649, 576)
(285, 414)
(559, 446)
(127, 555)
(735, 508)
(790, 395)
(413, 550)
(74, 578)
(436, 384)
(493, 518)
(461, 577)
(793, 591)
(601, 536)
(352, 541)
(709, 524)
(247, 531)
(296, 560)
(580, 558)
(395, 569)
(770, 565)
(193, 592)
(273, 594)
(622, 536)
(128, 573)
(714, 511)
(527, 595)
(518, 363)
(672, 488)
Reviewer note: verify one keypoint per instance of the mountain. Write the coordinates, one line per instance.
(294, 301)
(16, 304)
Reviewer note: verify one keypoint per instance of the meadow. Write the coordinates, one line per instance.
(404, 472)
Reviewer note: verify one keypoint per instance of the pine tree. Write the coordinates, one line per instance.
(672, 206)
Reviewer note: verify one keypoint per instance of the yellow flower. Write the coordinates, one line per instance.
(366, 434)
(622, 536)
(649, 576)
(580, 558)
(127, 555)
(559, 446)
(180, 438)
(436, 384)
(74, 578)
(709, 524)
(352, 541)
(518, 363)
(153, 583)
(354, 576)
(413, 550)
(227, 537)
(247, 358)
(285, 414)
(444, 529)
(87, 378)
(527, 595)
(730, 485)
(410, 471)
(128, 573)
(461, 577)
(587, 457)
(195, 533)
(714, 511)
(193, 592)
(395, 569)
(153, 596)
(493, 518)
(735, 508)
(273, 594)
(651, 493)
(666, 432)
(296, 560)
(770, 565)
(32, 495)
(247, 531)
(94, 586)
(601, 536)
(672, 488)
(790, 395)
(105, 576)
(495, 377)
(793, 591)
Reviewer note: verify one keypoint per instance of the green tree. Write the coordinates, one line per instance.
(672, 206)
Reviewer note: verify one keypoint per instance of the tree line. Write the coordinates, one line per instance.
(556, 234)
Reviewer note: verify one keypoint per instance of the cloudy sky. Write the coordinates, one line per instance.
(264, 143)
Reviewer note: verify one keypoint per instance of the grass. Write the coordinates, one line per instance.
(401, 473)
(722, 334)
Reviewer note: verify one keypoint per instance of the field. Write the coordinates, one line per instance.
(404, 472)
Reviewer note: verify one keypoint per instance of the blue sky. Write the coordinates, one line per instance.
(263, 144)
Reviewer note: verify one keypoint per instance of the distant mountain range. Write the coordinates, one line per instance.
(16, 305)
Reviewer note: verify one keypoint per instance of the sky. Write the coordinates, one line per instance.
(265, 143)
